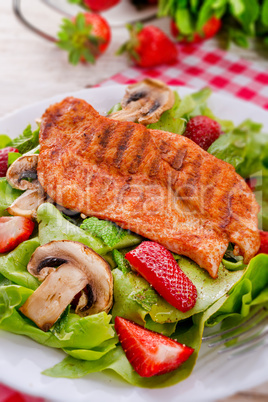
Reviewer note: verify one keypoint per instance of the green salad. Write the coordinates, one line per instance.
(90, 343)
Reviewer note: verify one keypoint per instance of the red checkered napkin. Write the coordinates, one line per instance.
(204, 65)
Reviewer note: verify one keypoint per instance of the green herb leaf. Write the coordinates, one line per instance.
(27, 140)
(146, 298)
(105, 230)
(121, 262)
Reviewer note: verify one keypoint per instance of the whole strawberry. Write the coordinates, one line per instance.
(96, 5)
(149, 46)
(100, 5)
(203, 131)
(210, 28)
(85, 38)
(4, 159)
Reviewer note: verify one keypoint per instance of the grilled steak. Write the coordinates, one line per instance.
(157, 184)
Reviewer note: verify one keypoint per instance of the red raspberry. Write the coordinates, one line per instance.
(4, 159)
(203, 131)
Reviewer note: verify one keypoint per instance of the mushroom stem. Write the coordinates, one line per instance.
(80, 271)
(49, 301)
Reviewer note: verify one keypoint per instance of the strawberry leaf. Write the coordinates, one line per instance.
(77, 39)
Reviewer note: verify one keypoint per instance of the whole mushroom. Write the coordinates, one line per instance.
(81, 273)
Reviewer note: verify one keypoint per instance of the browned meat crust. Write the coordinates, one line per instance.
(158, 184)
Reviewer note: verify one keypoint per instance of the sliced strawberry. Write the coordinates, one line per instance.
(203, 131)
(148, 352)
(264, 242)
(158, 266)
(13, 231)
(4, 159)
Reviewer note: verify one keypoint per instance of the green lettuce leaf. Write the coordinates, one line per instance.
(74, 334)
(246, 148)
(188, 333)
(13, 265)
(27, 140)
(7, 195)
(251, 290)
(12, 156)
(169, 120)
(5, 140)
(53, 226)
(133, 295)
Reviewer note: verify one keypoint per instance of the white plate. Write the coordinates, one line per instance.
(215, 376)
(119, 15)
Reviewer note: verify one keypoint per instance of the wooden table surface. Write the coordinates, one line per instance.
(32, 69)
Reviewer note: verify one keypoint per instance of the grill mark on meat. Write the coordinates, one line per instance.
(193, 177)
(154, 168)
(226, 210)
(88, 135)
(122, 146)
(104, 137)
(179, 158)
(138, 158)
(213, 177)
(164, 147)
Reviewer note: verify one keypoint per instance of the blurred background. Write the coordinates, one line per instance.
(33, 68)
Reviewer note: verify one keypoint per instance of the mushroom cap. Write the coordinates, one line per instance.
(23, 168)
(145, 101)
(94, 272)
(26, 205)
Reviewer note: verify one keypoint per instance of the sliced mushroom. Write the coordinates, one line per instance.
(80, 271)
(26, 205)
(145, 101)
(22, 169)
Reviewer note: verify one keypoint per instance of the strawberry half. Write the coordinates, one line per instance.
(158, 266)
(148, 352)
(203, 131)
(264, 242)
(13, 231)
(4, 159)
